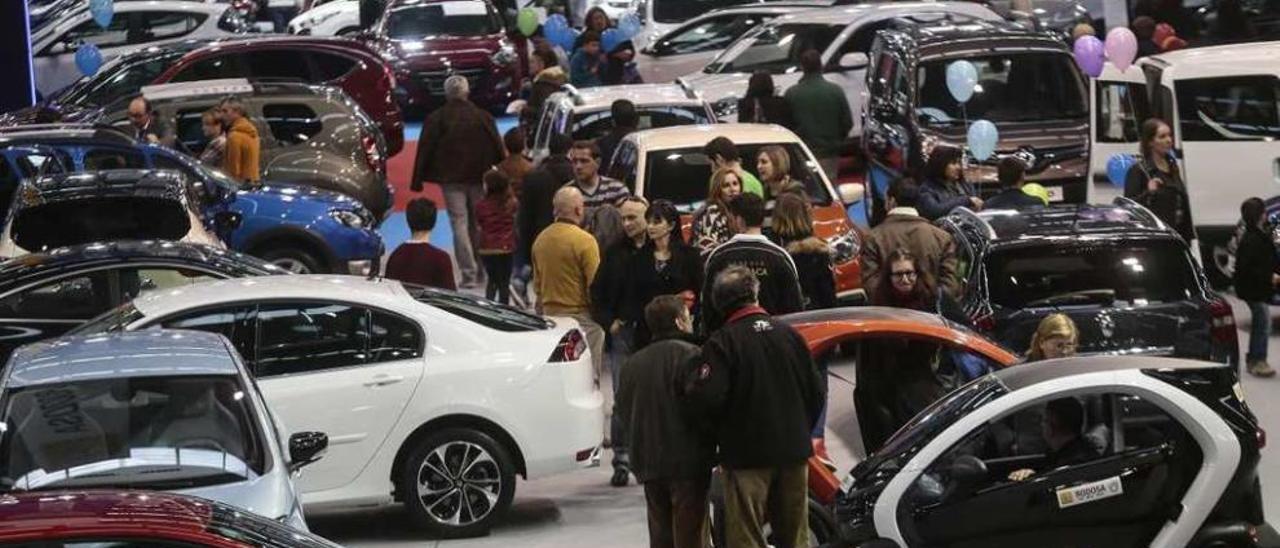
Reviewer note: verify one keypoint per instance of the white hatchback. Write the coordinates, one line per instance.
(331, 18)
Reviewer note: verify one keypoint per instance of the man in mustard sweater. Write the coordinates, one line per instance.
(240, 160)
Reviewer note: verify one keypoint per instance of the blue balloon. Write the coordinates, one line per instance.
(629, 25)
(962, 78)
(610, 39)
(982, 139)
(102, 11)
(88, 59)
(1118, 168)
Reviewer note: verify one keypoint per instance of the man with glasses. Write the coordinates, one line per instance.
(904, 228)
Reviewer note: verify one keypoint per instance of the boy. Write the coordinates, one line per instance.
(417, 261)
(1011, 173)
(584, 66)
(1255, 281)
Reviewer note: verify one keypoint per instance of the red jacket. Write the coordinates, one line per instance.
(496, 216)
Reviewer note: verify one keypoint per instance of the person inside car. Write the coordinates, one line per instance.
(1064, 435)
(1011, 173)
(1055, 337)
(944, 187)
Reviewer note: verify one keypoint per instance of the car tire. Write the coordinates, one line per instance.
(470, 479)
(822, 523)
(349, 32)
(294, 260)
(1219, 264)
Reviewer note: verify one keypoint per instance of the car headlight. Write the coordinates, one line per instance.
(348, 218)
(726, 107)
(845, 246)
(504, 56)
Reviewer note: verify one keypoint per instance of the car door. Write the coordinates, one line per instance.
(55, 65)
(1120, 105)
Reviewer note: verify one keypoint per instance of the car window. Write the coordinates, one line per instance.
(123, 83)
(484, 312)
(860, 41)
(164, 25)
(776, 48)
(885, 71)
(392, 338)
(679, 11)
(1121, 107)
(213, 68)
(1135, 273)
(137, 281)
(74, 298)
(280, 64)
(43, 162)
(113, 158)
(9, 181)
(310, 337)
(1238, 108)
(189, 129)
(712, 34)
(236, 323)
(681, 175)
(89, 32)
(622, 167)
(291, 123)
(112, 542)
(594, 125)
(331, 66)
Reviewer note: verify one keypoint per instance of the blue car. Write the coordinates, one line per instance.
(300, 228)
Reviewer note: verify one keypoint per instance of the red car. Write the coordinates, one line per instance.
(426, 41)
(137, 518)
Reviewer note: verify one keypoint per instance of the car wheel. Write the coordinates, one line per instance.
(349, 31)
(296, 261)
(457, 483)
(1221, 264)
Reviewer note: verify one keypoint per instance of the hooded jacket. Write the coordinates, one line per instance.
(240, 161)
(549, 81)
(812, 257)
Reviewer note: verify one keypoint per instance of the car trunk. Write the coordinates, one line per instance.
(59, 223)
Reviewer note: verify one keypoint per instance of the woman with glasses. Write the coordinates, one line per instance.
(1056, 337)
(907, 285)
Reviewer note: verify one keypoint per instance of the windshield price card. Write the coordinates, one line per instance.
(1090, 492)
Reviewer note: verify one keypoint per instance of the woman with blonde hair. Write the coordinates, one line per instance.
(711, 221)
(774, 166)
(1056, 337)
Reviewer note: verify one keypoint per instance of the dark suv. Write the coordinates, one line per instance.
(1028, 86)
(1127, 280)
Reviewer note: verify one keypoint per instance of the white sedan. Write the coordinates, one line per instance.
(431, 398)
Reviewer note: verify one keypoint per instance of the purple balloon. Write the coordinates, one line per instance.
(1089, 55)
(1122, 47)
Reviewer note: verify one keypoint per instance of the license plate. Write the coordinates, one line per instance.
(1055, 193)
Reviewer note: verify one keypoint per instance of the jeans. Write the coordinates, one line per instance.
(280, 18)
(1259, 330)
(460, 202)
(620, 348)
(498, 268)
(779, 496)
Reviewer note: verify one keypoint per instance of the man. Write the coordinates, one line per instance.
(281, 12)
(241, 157)
(599, 193)
(459, 143)
(1012, 174)
(565, 259)
(759, 387)
(146, 127)
(625, 122)
(822, 114)
(776, 275)
(607, 299)
(672, 455)
(904, 228)
(723, 153)
(1063, 430)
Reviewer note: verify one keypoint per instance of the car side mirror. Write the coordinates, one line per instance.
(851, 193)
(854, 60)
(306, 448)
(227, 221)
(968, 470)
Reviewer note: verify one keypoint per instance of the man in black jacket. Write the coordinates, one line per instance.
(625, 121)
(1255, 280)
(672, 454)
(759, 386)
(536, 192)
(776, 272)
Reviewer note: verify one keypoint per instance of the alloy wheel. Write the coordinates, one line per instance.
(459, 483)
(293, 266)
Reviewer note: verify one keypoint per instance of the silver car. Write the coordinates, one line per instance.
(163, 410)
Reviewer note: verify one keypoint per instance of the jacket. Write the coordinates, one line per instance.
(241, 159)
(812, 257)
(540, 185)
(547, 82)
(643, 282)
(822, 115)
(760, 389)
(586, 70)
(903, 229)
(565, 259)
(766, 110)
(779, 283)
(937, 198)
(609, 287)
(665, 438)
(1255, 264)
(496, 218)
(1169, 202)
(609, 143)
(1012, 198)
(516, 167)
(459, 143)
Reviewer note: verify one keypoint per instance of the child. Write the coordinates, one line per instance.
(496, 217)
(1255, 281)
(584, 66)
(417, 261)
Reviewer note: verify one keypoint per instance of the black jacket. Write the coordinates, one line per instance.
(779, 283)
(608, 289)
(609, 143)
(665, 438)
(1012, 198)
(937, 198)
(1255, 263)
(812, 257)
(1169, 202)
(643, 282)
(535, 201)
(760, 388)
(765, 110)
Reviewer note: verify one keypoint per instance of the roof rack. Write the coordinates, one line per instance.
(573, 93)
(224, 86)
(973, 219)
(688, 89)
(1128, 204)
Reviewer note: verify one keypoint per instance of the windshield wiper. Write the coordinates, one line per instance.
(1089, 296)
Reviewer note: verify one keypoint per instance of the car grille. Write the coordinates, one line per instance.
(433, 81)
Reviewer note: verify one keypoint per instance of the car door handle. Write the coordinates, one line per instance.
(384, 380)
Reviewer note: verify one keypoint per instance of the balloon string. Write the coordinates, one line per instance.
(1128, 96)
(964, 117)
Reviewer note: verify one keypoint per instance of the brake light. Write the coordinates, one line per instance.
(372, 156)
(1261, 435)
(1222, 324)
(571, 348)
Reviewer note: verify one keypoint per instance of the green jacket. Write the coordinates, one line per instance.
(822, 114)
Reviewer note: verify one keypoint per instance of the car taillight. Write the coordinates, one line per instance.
(571, 348)
(372, 156)
(1222, 324)
(1261, 435)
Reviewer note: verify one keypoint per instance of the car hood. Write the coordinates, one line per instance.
(270, 495)
(1179, 329)
(291, 193)
(441, 51)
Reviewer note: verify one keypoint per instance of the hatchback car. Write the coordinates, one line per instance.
(160, 410)
(442, 427)
(587, 114)
(332, 18)
(1128, 281)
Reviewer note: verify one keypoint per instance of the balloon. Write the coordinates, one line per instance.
(1037, 190)
(629, 25)
(1089, 55)
(527, 21)
(1118, 168)
(102, 11)
(961, 79)
(610, 39)
(88, 59)
(1122, 47)
(982, 139)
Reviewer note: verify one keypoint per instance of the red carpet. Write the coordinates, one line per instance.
(399, 174)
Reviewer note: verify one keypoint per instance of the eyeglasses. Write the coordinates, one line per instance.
(904, 274)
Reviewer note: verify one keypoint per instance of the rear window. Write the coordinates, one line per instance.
(487, 313)
(683, 175)
(1136, 273)
(594, 125)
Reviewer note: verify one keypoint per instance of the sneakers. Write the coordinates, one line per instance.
(1260, 368)
(621, 475)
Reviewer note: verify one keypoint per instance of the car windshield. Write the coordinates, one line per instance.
(452, 18)
(679, 11)
(775, 48)
(594, 125)
(681, 175)
(1137, 272)
(487, 313)
(1022, 87)
(115, 83)
(162, 433)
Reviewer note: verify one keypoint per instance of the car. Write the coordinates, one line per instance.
(843, 35)
(586, 114)
(658, 17)
(1029, 86)
(161, 410)
(109, 204)
(426, 41)
(334, 18)
(1128, 281)
(314, 136)
(1262, 15)
(668, 164)
(46, 294)
(136, 25)
(146, 518)
(509, 392)
(1161, 433)
(688, 48)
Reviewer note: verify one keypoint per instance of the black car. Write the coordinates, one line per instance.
(47, 294)
(1128, 281)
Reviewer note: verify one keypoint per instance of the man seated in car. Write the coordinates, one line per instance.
(1063, 429)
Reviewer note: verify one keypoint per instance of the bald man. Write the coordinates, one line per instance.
(146, 127)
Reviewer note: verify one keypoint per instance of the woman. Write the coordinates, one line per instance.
(761, 105)
(548, 78)
(793, 230)
(668, 266)
(211, 123)
(711, 221)
(1055, 337)
(1156, 182)
(944, 187)
(615, 72)
(1020, 434)
(774, 166)
(905, 284)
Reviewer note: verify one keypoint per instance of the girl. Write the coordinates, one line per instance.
(496, 217)
(1055, 337)
(944, 187)
(774, 165)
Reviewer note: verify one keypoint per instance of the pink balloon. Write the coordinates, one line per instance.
(1121, 47)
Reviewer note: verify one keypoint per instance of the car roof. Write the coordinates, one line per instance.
(1029, 374)
(248, 90)
(148, 353)
(952, 33)
(823, 329)
(378, 292)
(237, 42)
(698, 135)
(21, 270)
(781, 7)
(844, 15)
(1124, 217)
(642, 95)
(1252, 58)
